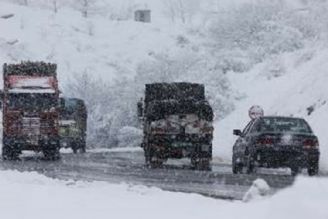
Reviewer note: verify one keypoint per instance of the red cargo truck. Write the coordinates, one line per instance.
(30, 109)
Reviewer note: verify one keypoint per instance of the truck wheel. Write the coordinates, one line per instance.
(295, 170)
(151, 160)
(83, 147)
(74, 149)
(148, 156)
(156, 164)
(52, 154)
(201, 164)
(82, 150)
(313, 169)
(8, 153)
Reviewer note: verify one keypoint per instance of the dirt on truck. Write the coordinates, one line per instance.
(30, 109)
(177, 123)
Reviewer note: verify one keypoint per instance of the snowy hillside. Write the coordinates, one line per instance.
(37, 196)
(300, 91)
(97, 46)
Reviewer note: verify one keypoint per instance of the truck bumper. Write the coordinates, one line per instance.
(25, 143)
(182, 146)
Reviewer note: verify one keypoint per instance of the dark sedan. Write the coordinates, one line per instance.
(275, 142)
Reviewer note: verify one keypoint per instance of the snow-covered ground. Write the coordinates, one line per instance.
(30, 195)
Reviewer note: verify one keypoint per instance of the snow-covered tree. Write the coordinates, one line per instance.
(180, 10)
(254, 31)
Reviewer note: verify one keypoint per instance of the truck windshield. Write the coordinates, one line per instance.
(31, 102)
(289, 125)
(70, 108)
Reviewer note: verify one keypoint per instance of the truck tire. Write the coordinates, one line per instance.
(8, 153)
(74, 146)
(74, 149)
(203, 164)
(295, 170)
(83, 147)
(51, 154)
(156, 164)
(148, 156)
(151, 160)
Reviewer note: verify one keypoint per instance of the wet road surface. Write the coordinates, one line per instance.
(128, 167)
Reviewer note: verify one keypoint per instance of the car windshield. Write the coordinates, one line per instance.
(22, 101)
(290, 125)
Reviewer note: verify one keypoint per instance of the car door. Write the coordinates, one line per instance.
(241, 143)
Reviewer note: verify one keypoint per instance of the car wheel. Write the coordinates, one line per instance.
(236, 167)
(313, 169)
(250, 164)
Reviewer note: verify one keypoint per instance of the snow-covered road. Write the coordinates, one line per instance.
(128, 167)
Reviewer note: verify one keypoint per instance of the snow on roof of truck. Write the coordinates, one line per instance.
(177, 90)
(30, 69)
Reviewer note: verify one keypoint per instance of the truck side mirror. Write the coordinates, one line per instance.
(140, 109)
(237, 132)
(1, 99)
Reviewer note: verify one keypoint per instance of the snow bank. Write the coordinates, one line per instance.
(257, 191)
(29, 195)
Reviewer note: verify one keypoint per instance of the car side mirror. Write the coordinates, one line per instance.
(237, 132)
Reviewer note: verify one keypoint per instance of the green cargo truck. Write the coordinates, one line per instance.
(73, 124)
(177, 123)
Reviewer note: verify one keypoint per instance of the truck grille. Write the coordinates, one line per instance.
(31, 128)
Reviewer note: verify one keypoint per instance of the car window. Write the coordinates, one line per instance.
(256, 127)
(290, 125)
(248, 127)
